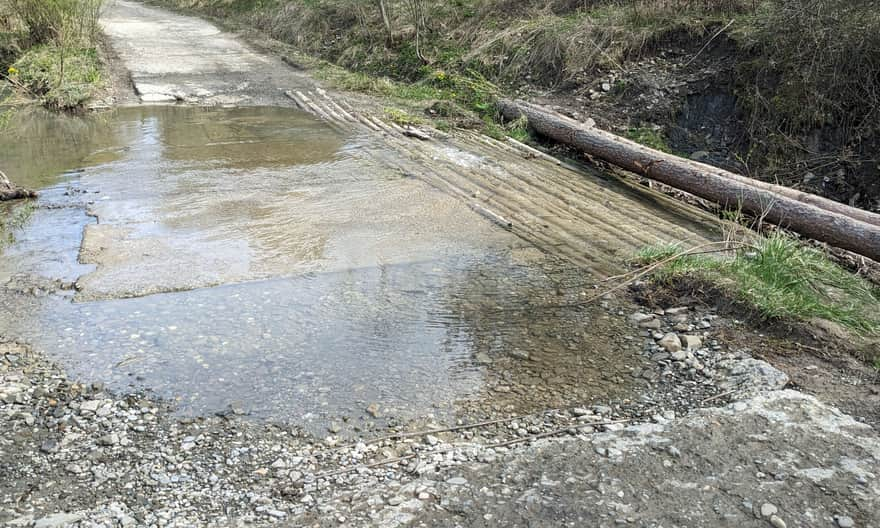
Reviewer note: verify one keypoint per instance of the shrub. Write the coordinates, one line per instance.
(64, 21)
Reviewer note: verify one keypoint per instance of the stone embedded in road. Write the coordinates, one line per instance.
(751, 373)
(691, 342)
(768, 509)
(670, 342)
(58, 520)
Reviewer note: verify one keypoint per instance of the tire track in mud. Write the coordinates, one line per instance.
(595, 223)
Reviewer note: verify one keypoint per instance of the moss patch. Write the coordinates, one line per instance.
(649, 137)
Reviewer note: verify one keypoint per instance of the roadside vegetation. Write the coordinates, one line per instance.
(774, 276)
(805, 75)
(12, 218)
(48, 50)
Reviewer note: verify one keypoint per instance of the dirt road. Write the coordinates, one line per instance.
(177, 58)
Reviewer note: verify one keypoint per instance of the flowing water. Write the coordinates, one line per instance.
(257, 259)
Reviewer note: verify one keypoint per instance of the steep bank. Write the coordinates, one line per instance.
(732, 83)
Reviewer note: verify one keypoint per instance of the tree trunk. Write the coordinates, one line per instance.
(385, 21)
(812, 216)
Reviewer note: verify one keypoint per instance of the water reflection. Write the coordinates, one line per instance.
(274, 263)
(38, 146)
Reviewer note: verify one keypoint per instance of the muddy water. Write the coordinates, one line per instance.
(256, 259)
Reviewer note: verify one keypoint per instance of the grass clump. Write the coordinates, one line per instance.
(56, 59)
(13, 220)
(779, 278)
(402, 117)
(60, 78)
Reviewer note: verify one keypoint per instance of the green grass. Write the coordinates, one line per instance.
(48, 48)
(60, 78)
(15, 220)
(779, 278)
(461, 99)
(369, 84)
(402, 117)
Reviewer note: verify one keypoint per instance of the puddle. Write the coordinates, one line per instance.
(257, 258)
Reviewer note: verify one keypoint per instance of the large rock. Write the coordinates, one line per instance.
(781, 453)
(670, 342)
(750, 375)
(58, 520)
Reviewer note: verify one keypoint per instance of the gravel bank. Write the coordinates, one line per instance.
(77, 455)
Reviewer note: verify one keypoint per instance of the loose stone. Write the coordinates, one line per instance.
(670, 342)
(777, 522)
(692, 342)
(768, 509)
(845, 522)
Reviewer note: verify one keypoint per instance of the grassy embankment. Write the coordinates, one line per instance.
(779, 278)
(48, 50)
(807, 75)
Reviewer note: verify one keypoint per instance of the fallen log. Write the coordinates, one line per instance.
(794, 194)
(836, 224)
(8, 191)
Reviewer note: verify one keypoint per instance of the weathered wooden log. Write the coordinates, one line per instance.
(8, 191)
(836, 224)
(794, 194)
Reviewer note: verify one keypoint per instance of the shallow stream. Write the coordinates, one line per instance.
(257, 260)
